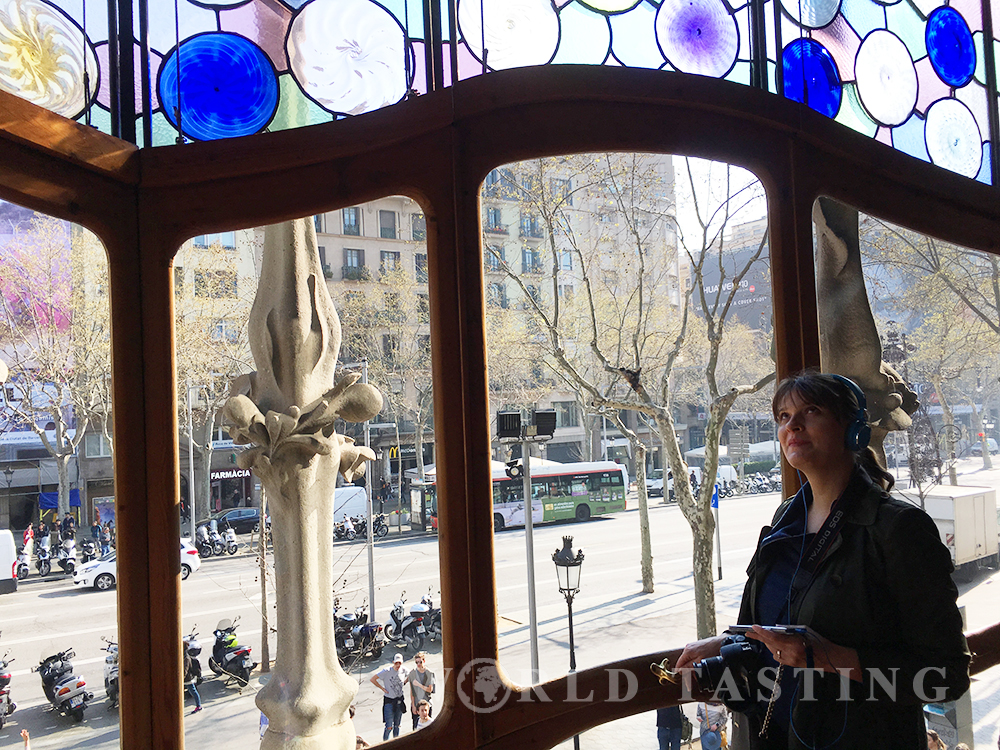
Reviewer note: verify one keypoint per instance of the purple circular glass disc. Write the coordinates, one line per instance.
(697, 36)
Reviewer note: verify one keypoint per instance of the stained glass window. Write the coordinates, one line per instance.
(912, 74)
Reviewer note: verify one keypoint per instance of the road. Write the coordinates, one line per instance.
(612, 618)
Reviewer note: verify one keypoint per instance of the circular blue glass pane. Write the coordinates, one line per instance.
(227, 85)
(811, 76)
(950, 46)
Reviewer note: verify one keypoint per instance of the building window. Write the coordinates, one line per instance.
(531, 260)
(215, 284)
(418, 227)
(352, 221)
(498, 183)
(226, 239)
(354, 265)
(494, 221)
(420, 267)
(530, 226)
(390, 349)
(561, 191)
(96, 446)
(423, 308)
(534, 293)
(565, 260)
(320, 221)
(566, 291)
(423, 349)
(387, 225)
(496, 295)
(566, 413)
(178, 280)
(225, 330)
(493, 257)
(388, 261)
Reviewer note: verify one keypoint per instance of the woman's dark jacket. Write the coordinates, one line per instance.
(884, 588)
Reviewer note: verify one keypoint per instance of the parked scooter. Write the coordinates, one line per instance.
(7, 706)
(66, 691)
(217, 540)
(228, 656)
(408, 628)
(43, 561)
(431, 615)
(232, 545)
(202, 542)
(66, 555)
(24, 560)
(345, 529)
(88, 550)
(354, 635)
(111, 672)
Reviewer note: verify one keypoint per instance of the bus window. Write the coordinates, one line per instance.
(580, 487)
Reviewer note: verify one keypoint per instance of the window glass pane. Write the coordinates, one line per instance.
(620, 287)
(387, 224)
(352, 221)
(384, 328)
(55, 407)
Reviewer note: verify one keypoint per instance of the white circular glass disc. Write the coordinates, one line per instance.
(42, 57)
(348, 55)
(811, 14)
(698, 36)
(953, 138)
(517, 33)
(887, 79)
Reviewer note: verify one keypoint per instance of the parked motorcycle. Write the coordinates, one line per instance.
(7, 706)
(66, 555)
(408, 628)
(379, 526)
(43, 560)
(111, 672)
(354, 635)
(66, 691)
(88, 550)
(24, 560)
(228, 656)
(203, 543)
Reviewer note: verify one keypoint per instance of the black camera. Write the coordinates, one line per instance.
(734, 676)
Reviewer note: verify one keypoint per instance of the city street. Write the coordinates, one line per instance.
(612, 619)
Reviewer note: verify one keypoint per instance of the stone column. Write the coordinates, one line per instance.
(286, 411)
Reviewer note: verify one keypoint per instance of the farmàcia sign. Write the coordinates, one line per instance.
(230, 474)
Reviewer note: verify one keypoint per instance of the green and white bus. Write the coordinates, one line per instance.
(559, 492)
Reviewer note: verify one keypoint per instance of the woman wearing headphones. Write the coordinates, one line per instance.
(863, 578)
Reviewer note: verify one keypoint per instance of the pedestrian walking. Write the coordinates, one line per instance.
(191, 681)
(95, 530)
(105, 539)
(934, 741)
(422, 686)
(390, 680)
(669, 726)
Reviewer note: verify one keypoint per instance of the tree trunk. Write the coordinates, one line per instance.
(646, 547)
(62, 467)
(949, 429)
(984, 443)
(418, 440)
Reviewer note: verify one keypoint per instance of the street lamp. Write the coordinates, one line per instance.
(9, 474)
(568, 574)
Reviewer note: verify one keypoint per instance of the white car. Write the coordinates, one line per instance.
(102, 573)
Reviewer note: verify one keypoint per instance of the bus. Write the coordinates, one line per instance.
(559, 492)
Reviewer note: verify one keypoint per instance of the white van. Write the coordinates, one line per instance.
(8, 562)
(349, 501)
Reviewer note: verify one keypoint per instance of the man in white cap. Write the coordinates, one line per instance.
(390, 681)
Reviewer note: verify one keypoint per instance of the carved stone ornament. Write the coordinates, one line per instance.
(286, 411)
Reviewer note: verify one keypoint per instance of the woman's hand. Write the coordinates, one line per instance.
(696, 651)
(808, 650)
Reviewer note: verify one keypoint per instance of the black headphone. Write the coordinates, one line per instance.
(859, 432)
